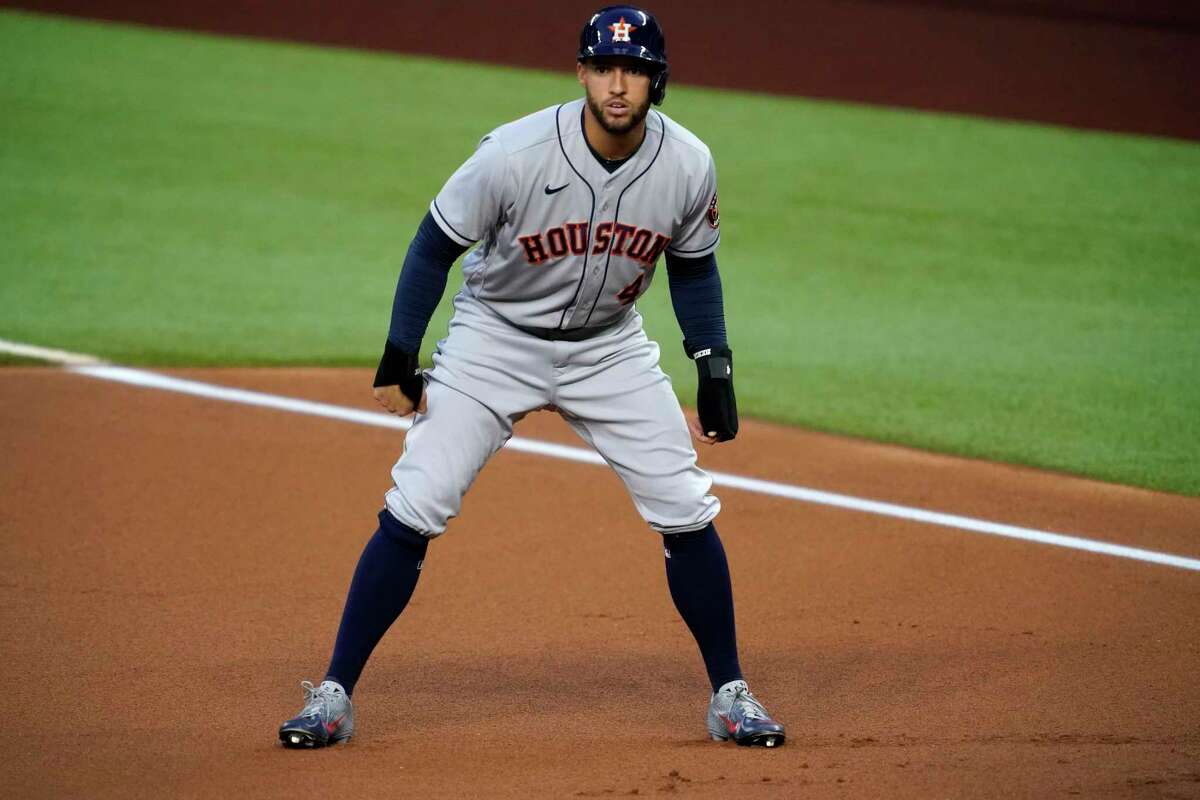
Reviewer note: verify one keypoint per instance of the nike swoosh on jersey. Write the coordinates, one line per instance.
(555, 191)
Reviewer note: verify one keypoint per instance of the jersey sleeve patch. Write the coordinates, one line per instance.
(714, 216)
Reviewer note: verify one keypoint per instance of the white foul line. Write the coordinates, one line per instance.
(86, 365)
(579, 454)
(46, 354)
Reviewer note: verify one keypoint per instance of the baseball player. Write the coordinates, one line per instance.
(568, 211)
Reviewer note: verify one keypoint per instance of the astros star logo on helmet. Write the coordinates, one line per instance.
(621, 30)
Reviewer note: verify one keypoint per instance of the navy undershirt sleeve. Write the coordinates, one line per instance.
(696, 297)
(422, 283)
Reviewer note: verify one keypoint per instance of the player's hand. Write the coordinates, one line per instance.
(396, 402)
(399, 383)
(699, 434)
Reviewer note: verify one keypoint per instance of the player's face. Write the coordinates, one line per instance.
(618, 92)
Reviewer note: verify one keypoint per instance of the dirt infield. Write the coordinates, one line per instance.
(172, 567)
(1125, 65)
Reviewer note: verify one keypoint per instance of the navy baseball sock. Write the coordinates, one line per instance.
(698, 576)
(383, 582)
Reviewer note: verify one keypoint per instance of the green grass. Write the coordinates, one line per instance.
(1007, 291)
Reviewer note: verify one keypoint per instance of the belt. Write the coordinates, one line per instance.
(568, 334)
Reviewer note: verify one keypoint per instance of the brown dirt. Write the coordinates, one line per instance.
(171, 567)
(1125, 65)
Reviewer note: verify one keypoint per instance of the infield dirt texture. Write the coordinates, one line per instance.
(171, 567)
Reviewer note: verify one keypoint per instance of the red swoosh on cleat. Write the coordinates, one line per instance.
(730, 725)
(330, 727)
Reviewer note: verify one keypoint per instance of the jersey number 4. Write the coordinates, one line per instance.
(631, 292)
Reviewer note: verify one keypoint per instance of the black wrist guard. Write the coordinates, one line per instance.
(714, 392)
(399, 368)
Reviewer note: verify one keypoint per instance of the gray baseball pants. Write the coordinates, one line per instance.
(487, 375)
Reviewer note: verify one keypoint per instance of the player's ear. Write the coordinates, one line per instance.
(580, 70)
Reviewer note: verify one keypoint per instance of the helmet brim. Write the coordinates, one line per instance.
(626, 50)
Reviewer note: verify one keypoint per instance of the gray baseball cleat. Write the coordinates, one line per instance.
(327, 717)
(734, 713)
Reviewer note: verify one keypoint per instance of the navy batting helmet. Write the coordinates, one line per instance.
(628, 31)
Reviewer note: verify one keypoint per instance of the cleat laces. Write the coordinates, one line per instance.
(314, 699)
(745, 704)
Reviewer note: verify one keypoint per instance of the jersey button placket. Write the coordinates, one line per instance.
(593, 266)
(591, 288)
(605, 206)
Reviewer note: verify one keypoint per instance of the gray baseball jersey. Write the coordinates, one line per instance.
(564, 243)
